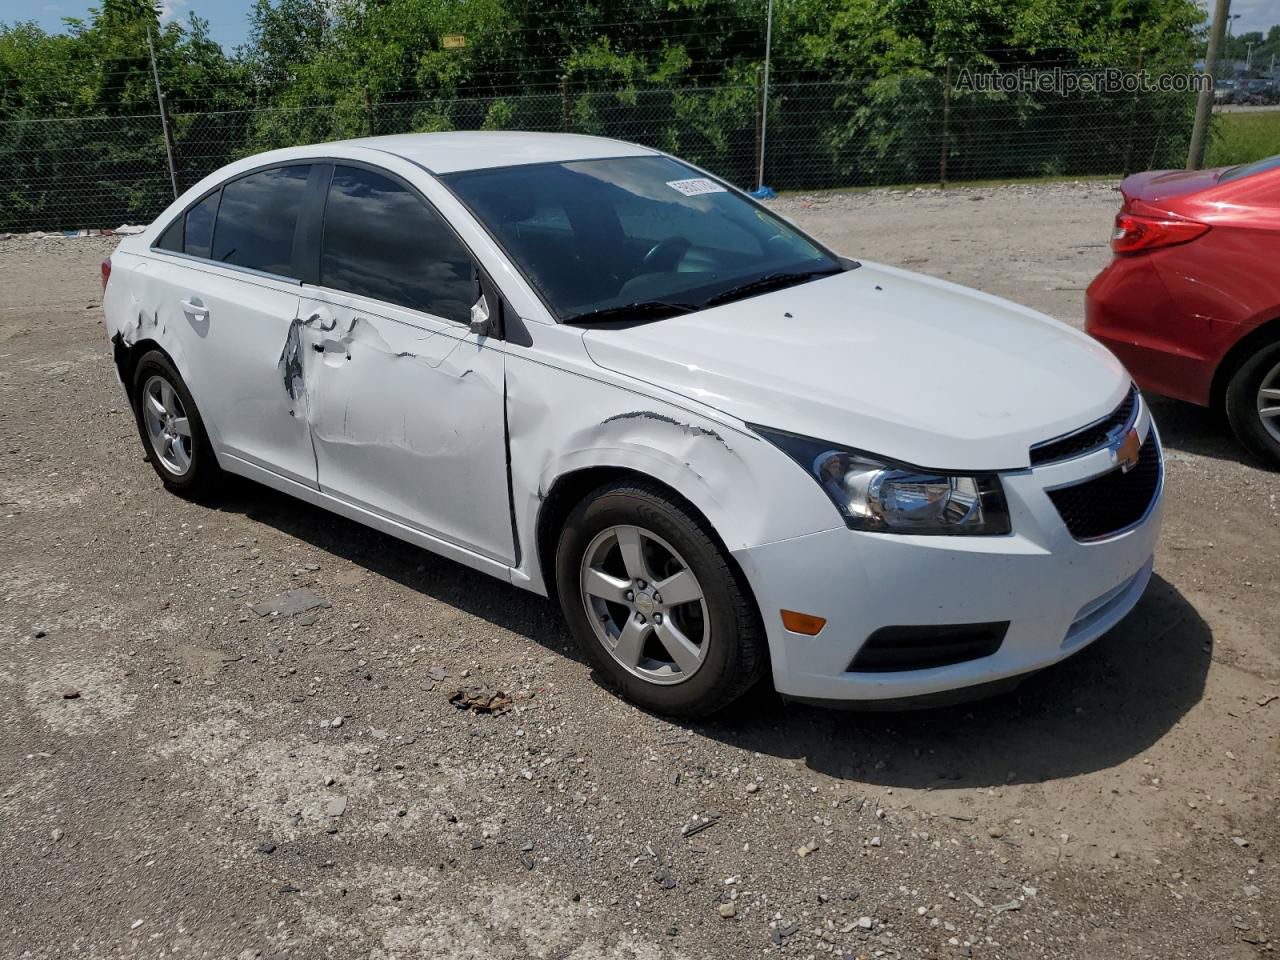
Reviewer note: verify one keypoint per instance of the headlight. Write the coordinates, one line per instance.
(878, 495)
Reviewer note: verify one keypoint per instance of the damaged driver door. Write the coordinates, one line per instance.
(404, 399)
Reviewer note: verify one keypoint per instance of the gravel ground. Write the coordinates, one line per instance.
(180, 776)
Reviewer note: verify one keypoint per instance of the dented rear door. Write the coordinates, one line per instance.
(227, 292)
(232, 327)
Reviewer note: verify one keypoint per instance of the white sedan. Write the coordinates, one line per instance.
(601, 374)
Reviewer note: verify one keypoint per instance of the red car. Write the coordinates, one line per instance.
(1190, 302)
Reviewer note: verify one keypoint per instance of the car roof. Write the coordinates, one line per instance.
(483, 149)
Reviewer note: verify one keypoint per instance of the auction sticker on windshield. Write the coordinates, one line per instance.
(696, 187)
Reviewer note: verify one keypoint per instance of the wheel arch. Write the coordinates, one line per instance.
(127, 355)
(1260, 336)
(572, 487)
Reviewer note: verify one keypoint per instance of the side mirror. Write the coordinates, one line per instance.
(486, 320)
(480, 325)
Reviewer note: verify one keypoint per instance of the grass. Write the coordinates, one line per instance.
(1243, 137)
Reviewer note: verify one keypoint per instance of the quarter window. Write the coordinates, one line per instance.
(382, 241)
(199, 235)
(192, 232)
(257, 219)
(171, 239)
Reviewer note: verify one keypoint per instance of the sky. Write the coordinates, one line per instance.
(229, 19)
(1254, 14)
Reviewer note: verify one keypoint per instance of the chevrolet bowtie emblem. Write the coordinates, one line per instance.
(1126, 452)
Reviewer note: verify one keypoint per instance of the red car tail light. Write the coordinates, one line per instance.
(106, 272)
(1134, 233)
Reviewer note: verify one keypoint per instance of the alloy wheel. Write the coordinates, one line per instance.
(1269, 402)
(168, 428)
(645, 604)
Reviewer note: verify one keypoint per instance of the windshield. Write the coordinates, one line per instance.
(641, 235)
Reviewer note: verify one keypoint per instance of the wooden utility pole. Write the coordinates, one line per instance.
(1133, 121)
(164, 117)
(764, 111)
(759, 116)
(1204, 106)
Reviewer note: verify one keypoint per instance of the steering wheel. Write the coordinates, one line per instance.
(665, 254)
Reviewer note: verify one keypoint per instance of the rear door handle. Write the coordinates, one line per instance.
(194, 308)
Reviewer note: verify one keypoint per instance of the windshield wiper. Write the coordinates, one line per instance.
(642, 310)
(770, 281)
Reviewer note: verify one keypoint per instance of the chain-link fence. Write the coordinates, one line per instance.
(99, 172)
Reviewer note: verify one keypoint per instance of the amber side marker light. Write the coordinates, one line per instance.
(805, 623)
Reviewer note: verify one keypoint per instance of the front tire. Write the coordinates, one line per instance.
(688, 652)
(171, 429)
(1253, 404)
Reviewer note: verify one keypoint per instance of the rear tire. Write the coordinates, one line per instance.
(688, 654)
(171, 429)
(1254, 389)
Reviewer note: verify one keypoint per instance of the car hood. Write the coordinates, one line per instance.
(882, 360)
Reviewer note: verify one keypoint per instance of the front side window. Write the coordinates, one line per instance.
(600, 237)
(382, 241)
(257, 218)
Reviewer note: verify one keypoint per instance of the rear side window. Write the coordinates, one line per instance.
(382, 241)
(257, 218)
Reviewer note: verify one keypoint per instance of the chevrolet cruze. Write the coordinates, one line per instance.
(601, 374)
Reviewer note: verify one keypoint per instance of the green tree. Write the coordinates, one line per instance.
(109, 163)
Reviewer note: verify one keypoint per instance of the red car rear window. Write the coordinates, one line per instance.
(1249, 169)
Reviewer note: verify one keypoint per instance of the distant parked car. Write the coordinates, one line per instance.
(1257, 91)
(1191, 301)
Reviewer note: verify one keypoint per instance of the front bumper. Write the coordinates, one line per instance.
(1057, 594)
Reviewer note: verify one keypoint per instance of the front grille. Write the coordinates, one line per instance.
(891, 649)
(1088, 438)
(1115, 501)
